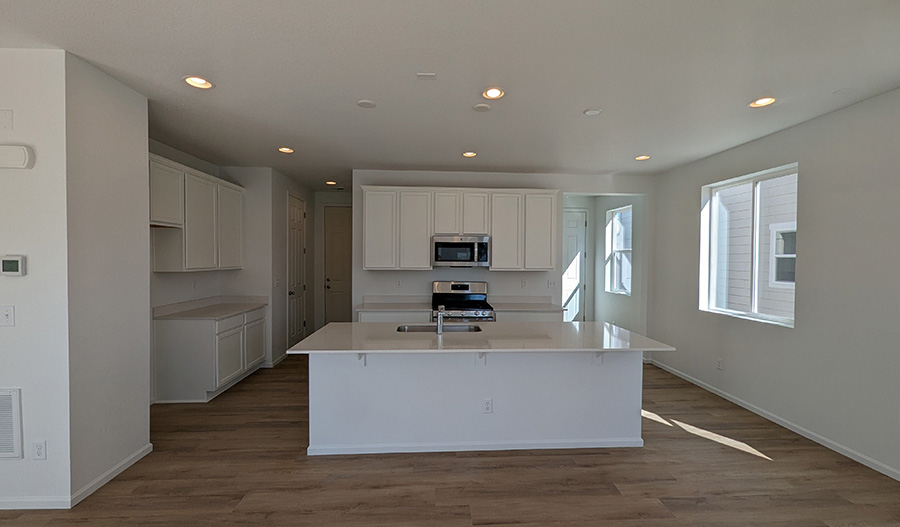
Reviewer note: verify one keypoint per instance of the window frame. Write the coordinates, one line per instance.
(774, 230)
(708, 240)
(610, 265)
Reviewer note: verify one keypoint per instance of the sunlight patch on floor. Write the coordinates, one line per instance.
(654, 417)
(727, 441)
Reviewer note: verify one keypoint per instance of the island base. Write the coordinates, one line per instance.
(446, 402)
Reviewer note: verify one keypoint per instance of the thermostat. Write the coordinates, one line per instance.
(12, 265)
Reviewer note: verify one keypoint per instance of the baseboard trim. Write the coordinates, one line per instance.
(67, 502)
(840, 448)
(34, 502)
(403, 448)
(107, 476)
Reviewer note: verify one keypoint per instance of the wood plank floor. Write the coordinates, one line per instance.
(240, 460)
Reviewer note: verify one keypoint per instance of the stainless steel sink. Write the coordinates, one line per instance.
(448, 328)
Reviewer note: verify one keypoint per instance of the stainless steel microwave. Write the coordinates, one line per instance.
(460, 251)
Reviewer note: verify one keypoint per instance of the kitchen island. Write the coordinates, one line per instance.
(510, 385)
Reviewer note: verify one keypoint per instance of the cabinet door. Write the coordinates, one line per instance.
(475, 213)
(230, 228)
(254, 343)
(415, 229)
(447, 212)
(199, 223)
(506, 231)
(229, 356)
(166, 195)
(540, 231)
(380, 229)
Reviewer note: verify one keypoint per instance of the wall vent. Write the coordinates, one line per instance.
(10, 423)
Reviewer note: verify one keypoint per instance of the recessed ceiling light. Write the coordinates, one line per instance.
(482, 107)
(365, 103)
(198, 82)
(764, 101)
(642, 157)
(469, 154)
(591, 112)
(492, 93)
(286, 150)
(331, 182)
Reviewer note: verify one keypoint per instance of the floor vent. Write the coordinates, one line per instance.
(10, 423)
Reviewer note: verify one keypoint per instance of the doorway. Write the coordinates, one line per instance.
(296, 271)
(338, 250)
(575, 271)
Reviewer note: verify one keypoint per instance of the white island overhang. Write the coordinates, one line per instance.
(511, 385)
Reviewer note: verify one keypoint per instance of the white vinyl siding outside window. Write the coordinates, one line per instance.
(618, 250)
(748, 246)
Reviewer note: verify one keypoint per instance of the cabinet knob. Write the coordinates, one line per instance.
(328, 279)
(327, 287)
(291, 293)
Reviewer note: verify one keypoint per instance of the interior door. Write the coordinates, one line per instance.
(296, 270)
(338, 248)
(574, 263)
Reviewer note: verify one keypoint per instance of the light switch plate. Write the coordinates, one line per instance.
(7, 316)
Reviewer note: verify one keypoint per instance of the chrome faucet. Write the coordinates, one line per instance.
(440, 320)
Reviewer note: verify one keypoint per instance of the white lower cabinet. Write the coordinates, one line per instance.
(197, 359)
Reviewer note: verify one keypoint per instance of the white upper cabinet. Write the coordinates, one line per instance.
(461, 212)
(397, 228)
(540, 231)
(210, 236)
(230, 233)
(380, 229)
(447, 211)
(476, 213)
(200, 235)
(507, 240)
(415, 229)
(166, 195)
(398, 223)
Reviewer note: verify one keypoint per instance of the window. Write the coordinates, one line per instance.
(749, 246)
(618, 250)
(783, 254)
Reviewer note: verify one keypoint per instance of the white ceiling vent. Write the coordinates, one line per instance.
(10, 423)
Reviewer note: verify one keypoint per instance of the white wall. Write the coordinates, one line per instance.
(34, 353)
(108, 260)
(834, 375)
(499, 283)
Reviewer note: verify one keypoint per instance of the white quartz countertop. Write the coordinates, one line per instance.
(507, 337)
(213, 311)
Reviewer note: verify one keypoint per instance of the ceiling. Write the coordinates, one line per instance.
(673, 78)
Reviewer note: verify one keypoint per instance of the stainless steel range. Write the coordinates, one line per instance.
(462, 302)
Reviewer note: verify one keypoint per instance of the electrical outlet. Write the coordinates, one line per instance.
(398, 282)
(39, 450)
(487, 406)
(7, 316)
(551, 284)
(524, 284)
(719, 364)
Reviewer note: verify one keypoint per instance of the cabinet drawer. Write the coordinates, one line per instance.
(255, 315)
(228, 323)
